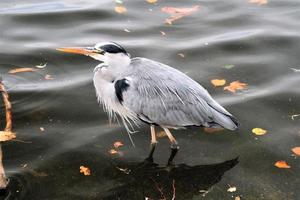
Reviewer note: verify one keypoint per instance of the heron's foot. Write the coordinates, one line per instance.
(174, 149)
(148, 160)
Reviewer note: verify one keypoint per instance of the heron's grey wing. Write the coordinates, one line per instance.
(163, 95)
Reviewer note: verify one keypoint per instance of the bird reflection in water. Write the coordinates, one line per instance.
(149, 180)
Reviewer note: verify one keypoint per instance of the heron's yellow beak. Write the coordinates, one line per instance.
(88, 51)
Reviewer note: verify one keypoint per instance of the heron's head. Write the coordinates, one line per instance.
(111, 53)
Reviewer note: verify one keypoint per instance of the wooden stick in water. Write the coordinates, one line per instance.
(5, 135)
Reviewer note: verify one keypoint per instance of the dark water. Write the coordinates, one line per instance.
(262, 42)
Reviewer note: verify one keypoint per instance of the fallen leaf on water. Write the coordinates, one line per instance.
(113, 151)
(85, 170)
(259, 2)
(213, 130)
(163, 33)
(24, 165)
(125, 170)
(22, 69)
(296, 151)
(151, 1)
(259, 131)
(228, 66)
(118, 144)
(181, 55)
(48, 77)
(6, 135)
(282, 164)
(231, 189)
(120, 9)
(235, 85)
(295, 70)
(161, 134)
(218, 82)
(293, 116)
(41, 66)
(36, 173)
(178, 13)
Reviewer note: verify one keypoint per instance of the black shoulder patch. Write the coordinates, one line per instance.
(120, 87)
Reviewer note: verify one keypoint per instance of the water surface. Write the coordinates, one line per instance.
(262, 42)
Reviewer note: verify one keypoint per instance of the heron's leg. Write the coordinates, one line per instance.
(153, 143)
(174, 146)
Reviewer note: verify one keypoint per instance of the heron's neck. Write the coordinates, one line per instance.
(118, 63)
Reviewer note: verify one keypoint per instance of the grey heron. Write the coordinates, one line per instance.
(140, 89)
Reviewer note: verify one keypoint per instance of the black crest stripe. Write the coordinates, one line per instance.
(120, 87)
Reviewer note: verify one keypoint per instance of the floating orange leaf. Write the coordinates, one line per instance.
(178, 13)
(118, 144)
(85, 170)
(296, 150)
(22, 69)
(213, 130)
(6, 135)
(120, 9)
(282, 164)
(218, 82)
(151, 1)
(161, 134)
(235, 85)
(259, 131)
(259, 2)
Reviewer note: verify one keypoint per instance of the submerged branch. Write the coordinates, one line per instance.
(5, 135)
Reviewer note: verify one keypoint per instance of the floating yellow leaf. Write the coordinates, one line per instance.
(151, 1)
(296, 151)
(22, 69)
(259, 2)
(282, 164)
(120, 9)
(235, 85)
(218, 82)
(118, 144)
(259, 131)
(85, 170)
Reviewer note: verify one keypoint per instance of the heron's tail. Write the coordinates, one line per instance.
(222, 117)
(227, 121)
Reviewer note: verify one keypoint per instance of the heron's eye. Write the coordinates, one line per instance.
(99, 51)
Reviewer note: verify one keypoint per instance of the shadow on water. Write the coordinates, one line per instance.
(140, 180)
(112, 179)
